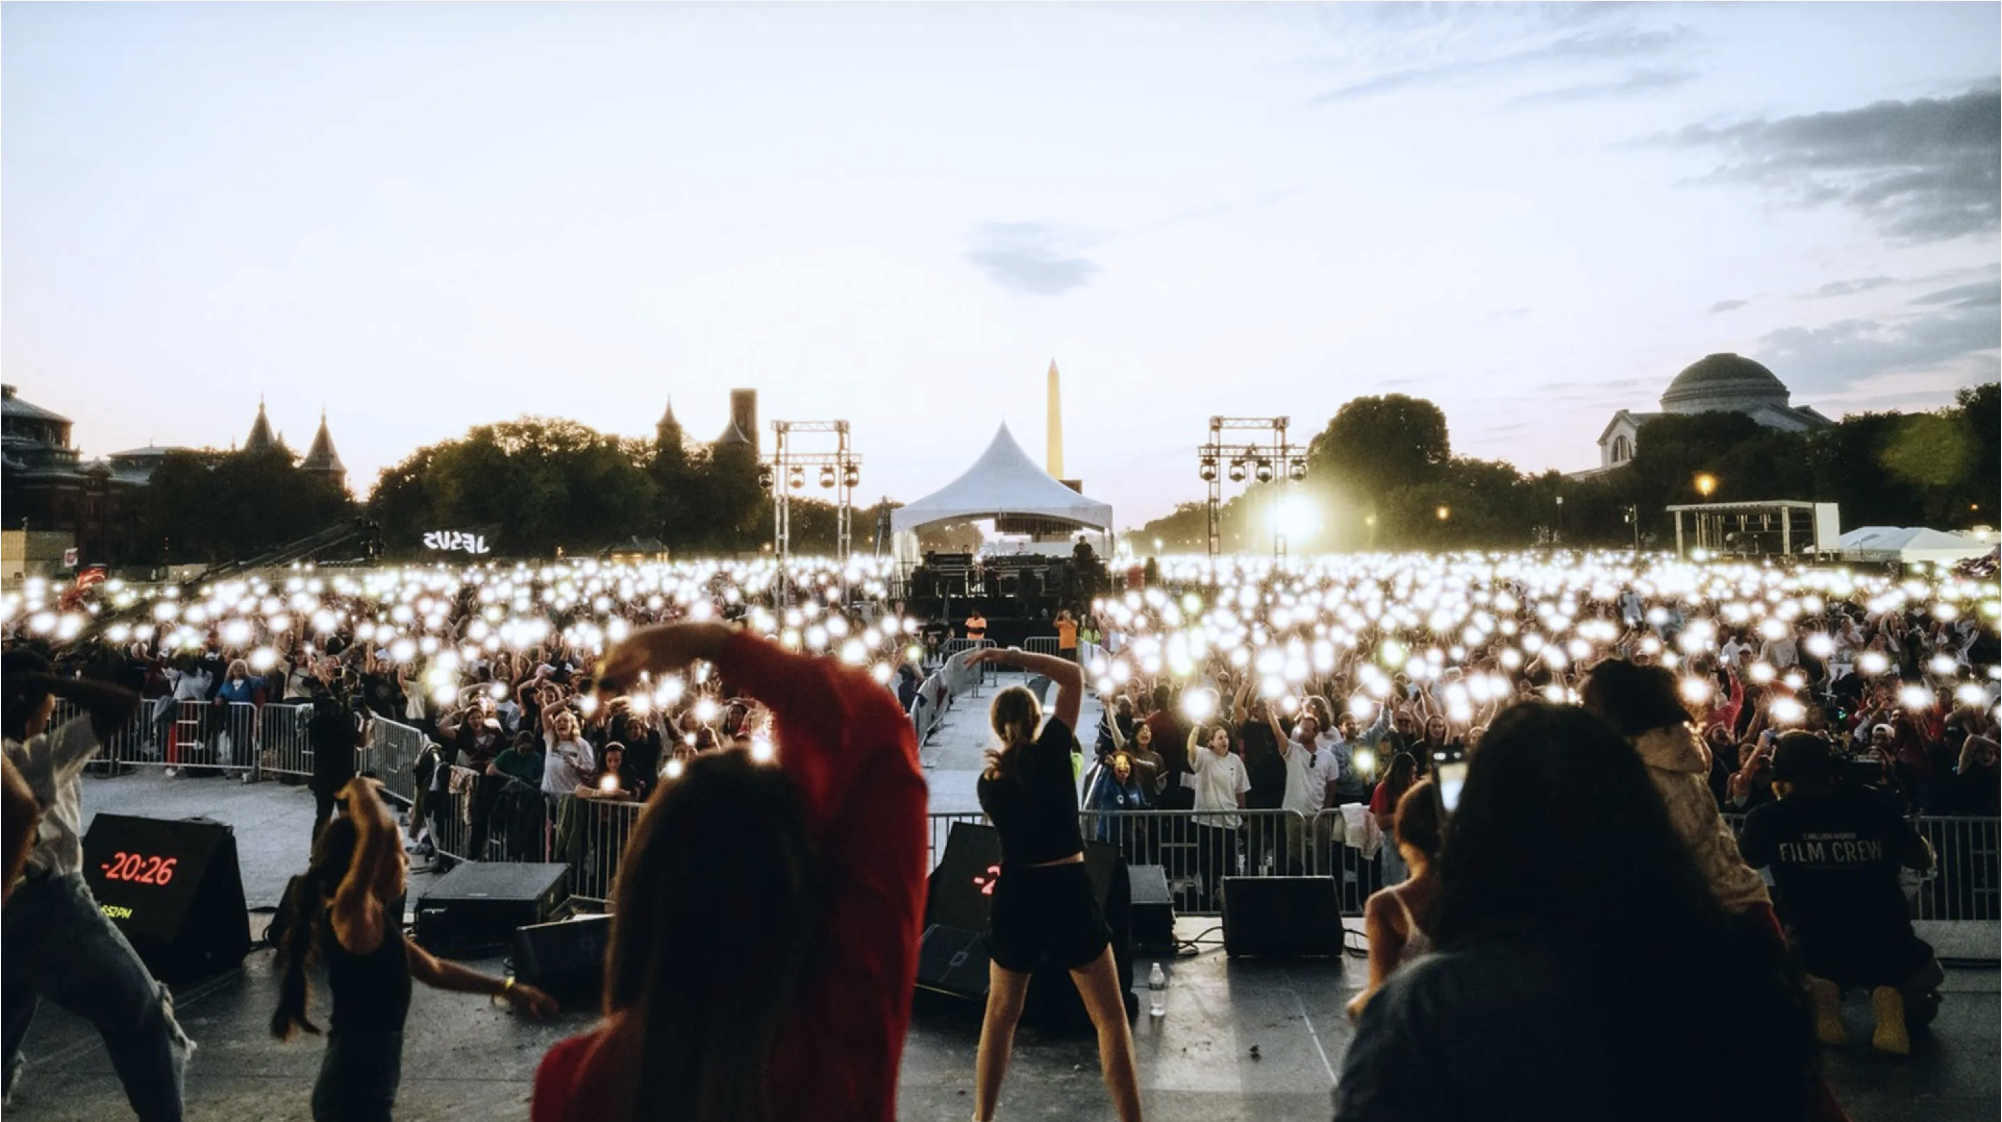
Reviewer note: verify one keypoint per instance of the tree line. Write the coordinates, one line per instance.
(1382, 475)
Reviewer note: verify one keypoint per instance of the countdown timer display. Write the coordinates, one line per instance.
(145, 872)
(139, 868)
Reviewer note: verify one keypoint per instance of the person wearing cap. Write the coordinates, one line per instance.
(1835, 851)
(54, 940)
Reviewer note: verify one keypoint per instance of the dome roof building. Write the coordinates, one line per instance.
(1719, 383)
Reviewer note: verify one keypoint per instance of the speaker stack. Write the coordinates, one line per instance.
(953, 958)
(565, 960)
(478, 906)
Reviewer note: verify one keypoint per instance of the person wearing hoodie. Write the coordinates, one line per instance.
(1645, 705)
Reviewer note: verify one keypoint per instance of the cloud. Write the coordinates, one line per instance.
(1030, 257)
(1577, 49)
(1921, 171)
(1727, 306)
(1636, 83)
(1889, 360)
(1846, 287)
(1984, 294)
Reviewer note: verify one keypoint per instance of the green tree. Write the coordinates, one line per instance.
(541, 483)
(1376, 443)
(209, 507)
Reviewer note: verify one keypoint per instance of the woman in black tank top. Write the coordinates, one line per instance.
(1043, 908)
(346, 912)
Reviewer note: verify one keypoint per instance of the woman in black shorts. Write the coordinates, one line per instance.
(1043, 906)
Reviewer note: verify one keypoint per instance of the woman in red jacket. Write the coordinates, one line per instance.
(766, 916)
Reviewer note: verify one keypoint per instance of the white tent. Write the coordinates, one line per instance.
(1910, 543)
(1004, 480)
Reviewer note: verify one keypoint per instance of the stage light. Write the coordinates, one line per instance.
(851, 477)
(1264, 472)
(796, 478)
(827, 478)
(1297, 471)
(1237, 471)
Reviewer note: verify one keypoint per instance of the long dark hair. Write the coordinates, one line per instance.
(717, 917)
(1560, 833)
(1014, 715)
(333, 855)
(1403, 773)
(1634, 698)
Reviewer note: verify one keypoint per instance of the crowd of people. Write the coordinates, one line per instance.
(1552, 746)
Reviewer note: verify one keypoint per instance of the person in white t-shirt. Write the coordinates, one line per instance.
(1311, 771)
(1217, 774)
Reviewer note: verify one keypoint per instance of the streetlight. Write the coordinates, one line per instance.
(1560, 518)
(1705, 483)
(1444, 512)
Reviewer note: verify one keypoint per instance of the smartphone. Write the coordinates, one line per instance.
(1452, 777)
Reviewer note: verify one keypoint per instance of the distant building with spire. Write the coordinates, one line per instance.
(321, 459)
(742, 428)
(261, 438)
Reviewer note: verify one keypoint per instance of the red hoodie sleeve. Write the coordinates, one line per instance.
(853, 753)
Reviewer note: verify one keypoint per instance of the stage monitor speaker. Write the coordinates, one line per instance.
(960, 896)
(478, 905)
(173, 889)
(1153, 910)
(1281, 917)
(953, 960)
(565, 960)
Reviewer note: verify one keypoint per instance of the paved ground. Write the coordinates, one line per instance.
(465, 1059)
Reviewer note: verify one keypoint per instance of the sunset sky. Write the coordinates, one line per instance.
(421, 218)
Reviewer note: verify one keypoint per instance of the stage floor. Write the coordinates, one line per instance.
(1241, 1039)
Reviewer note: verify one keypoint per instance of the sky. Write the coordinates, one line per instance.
(421, 218)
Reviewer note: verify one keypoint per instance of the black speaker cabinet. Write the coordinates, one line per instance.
(960, 895)
(479, 905)
(173, 889)
(953, 960)
(564, 960)
(1281, 917)
(1153, 910)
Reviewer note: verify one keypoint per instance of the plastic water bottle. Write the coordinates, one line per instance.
(1157, 990)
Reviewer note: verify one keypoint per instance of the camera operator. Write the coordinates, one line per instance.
(1835, 848)
(336, 731)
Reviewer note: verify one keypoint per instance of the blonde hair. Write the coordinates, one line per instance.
(1014, 715)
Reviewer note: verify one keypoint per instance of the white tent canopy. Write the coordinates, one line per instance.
(1003, 481)
(1910, 543)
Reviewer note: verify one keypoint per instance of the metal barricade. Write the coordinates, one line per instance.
(939, 828)
(1965, 888)
(131, 744)
(392, 751)
(1040, 644)
(591, 836)
(1197, 850)
(205, 738)
(490, 818)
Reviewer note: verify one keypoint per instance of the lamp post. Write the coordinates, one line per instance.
(1705, 484)
(1560, 518)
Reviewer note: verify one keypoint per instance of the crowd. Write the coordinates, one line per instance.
(1551, 745)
